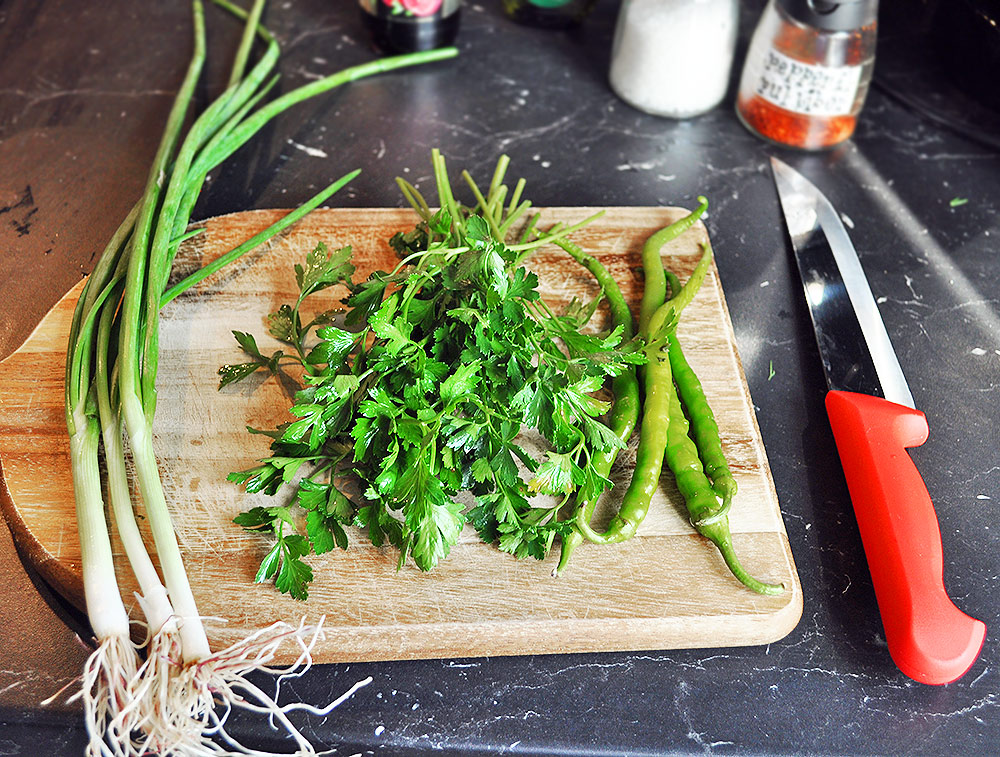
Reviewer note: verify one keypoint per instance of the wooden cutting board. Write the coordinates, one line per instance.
(666, 588)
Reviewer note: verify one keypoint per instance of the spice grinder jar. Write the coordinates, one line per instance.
(807, 71)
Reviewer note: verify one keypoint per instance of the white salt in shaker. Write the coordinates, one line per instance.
(673, 57)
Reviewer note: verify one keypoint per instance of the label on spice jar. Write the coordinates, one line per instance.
(807, 88)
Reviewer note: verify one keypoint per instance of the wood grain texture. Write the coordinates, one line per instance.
(666, 588)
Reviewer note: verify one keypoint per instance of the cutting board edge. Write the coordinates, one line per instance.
(59, 576)
(64, 581)
(591, 636)
(69, 293)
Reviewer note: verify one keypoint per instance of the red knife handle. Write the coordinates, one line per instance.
(929, 638)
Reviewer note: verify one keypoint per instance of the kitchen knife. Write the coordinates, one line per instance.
(874, 420)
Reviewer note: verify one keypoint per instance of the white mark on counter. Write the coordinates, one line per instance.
(882, 299)
(309, 74)
(314, 152)
(765, 284)
(978, 351)
(11, 687)
(983, 496)
(847, 220)
(909, 285)
(682, 707)
(646, 166)
(380, 730)
(666, 177)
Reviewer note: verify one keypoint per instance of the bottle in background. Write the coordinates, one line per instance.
(807, 71)
(673, 57)
(409, 26)
(548, 14)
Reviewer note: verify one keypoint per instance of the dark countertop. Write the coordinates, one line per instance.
(82, 97)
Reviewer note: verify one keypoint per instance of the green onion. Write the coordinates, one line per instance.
(168, 702)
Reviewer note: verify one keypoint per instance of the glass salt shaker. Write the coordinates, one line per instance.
(807, 71)
(673, 57)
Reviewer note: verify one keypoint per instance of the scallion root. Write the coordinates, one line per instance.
(106, 693)
(184, 707)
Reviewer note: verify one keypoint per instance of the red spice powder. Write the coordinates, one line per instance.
(794, 129)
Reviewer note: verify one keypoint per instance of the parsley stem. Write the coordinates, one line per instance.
(550, 236)
(416, 200)
(498, 173)
(445, 197)
(483, 205)
(513, 216)
(515, 202)
(448, 254)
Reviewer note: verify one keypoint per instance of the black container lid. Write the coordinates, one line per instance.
(832, 16)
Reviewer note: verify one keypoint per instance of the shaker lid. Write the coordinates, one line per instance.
(832, 15)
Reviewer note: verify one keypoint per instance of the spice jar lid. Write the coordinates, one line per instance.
(832, 16)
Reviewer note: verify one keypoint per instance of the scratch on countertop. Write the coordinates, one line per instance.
(313, 151)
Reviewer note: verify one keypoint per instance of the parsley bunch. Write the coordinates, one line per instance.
(420, 399)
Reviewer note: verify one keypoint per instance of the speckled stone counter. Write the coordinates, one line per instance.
(83, 91)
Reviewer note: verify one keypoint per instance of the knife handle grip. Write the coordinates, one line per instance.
(929, 638)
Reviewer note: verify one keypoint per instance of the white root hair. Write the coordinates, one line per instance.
(106, 691)
(182, 708)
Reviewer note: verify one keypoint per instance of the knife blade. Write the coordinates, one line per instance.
(874, 420)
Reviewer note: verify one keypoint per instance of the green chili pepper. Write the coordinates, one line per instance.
(649, 454)
(704, 427)
(708, 515)
(654, 291)
(687, 292)
(624, 412)
(673, 282)
(657, 382)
